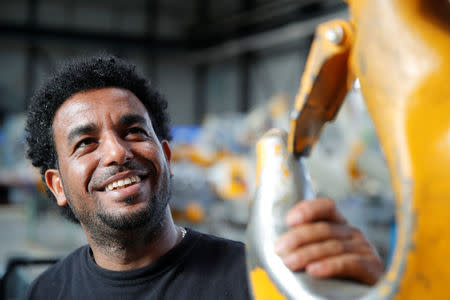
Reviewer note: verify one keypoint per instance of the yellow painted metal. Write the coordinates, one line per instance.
(323, 87)
(400, 51)
(263, 287)
(401, 56)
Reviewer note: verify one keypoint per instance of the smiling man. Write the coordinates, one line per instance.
(99, 134)
(114, 174)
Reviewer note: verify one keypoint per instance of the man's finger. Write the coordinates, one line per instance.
(314, 210)
(365, 269)
(311, 233)
(303, 256)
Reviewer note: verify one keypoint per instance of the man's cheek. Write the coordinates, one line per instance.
(80, 174)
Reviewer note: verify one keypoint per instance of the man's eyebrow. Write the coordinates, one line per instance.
(81, 130)
(132, 119)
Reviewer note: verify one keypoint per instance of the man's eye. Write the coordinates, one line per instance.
(84, 143)
(136, 130)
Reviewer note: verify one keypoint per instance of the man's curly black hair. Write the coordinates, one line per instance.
(77, 76)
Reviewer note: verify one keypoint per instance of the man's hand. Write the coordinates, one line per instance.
(321, 242)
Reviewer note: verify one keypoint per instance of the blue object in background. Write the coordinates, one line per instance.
(392, 242)
(2, 147)
(186, 134)
(2, 137)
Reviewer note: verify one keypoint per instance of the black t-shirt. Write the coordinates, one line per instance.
(200, 267)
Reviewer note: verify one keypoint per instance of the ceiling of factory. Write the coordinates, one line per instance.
(164, 25)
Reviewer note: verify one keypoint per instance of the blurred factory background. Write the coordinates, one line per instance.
(230, 71)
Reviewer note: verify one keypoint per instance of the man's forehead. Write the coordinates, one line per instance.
(100, 102)
(94, 106)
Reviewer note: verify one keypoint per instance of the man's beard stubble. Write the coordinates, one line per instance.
(151, 215)
(105, 228)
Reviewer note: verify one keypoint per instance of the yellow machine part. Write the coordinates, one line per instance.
(196, 155)
(193, 213)
(401, 55)
(235, 184)
(323, 87)
(263, 287)
(400, 51)
(353, 170)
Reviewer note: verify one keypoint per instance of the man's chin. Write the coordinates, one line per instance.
(126, 221)
(129, 200)
(132, 213)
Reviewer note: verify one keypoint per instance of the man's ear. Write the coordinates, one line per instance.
(167, 153)
(54, 183)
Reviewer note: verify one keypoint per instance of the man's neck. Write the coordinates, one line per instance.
(138, 248)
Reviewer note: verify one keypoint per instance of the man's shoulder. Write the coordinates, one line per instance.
(217, 243)
(72, 260)
(221, 263)
(218, 250)
(56, 274)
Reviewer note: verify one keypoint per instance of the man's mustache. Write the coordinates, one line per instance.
(98, 180)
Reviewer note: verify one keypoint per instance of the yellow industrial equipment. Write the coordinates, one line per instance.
(400, 52)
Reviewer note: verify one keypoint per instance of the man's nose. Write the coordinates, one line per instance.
(115, 150)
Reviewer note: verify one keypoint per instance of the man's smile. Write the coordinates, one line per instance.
(122, 183)
(108, 182)
(125, 191)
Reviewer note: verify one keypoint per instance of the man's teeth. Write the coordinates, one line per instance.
(122, 183)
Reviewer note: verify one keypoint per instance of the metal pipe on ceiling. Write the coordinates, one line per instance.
(262, 41)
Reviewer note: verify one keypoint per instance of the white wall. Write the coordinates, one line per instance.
(222, 87)
(277, 72)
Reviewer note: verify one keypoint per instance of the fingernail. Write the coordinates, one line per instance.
(279, 247)
(314, 268)
(290, 260)
(293, 219)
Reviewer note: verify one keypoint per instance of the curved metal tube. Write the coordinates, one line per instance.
(400, 51)
(282, 181)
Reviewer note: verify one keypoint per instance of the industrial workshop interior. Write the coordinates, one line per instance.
(354, 92)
